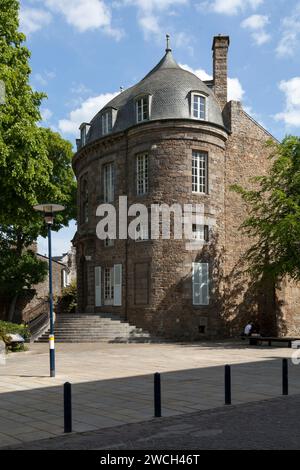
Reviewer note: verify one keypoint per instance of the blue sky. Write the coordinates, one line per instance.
(83, 51)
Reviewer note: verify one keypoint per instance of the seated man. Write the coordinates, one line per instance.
(248, 329)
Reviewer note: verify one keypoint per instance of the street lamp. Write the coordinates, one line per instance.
(49, 210)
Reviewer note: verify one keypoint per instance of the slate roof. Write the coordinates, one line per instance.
(170, 87)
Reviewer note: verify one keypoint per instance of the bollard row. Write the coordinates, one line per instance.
(157, 394)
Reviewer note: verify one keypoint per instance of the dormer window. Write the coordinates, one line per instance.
(84, 128)
(142, 109)
(106, 122)
(199, 106)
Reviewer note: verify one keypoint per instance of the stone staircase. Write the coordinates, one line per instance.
(95, 328)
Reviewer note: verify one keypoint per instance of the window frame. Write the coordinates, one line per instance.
(204, 268)
(108, 285)
(199, 117)
(142, 99)
(200, 181)
(108, 182)
(142, 174)
(106, 122)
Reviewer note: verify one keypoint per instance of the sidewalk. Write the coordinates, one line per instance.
(112, 384)
(271, 424)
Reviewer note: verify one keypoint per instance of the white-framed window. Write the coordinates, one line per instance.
(142, 109)
(65, 278)
(108, 286)
(84, 128)
(112, 285)
(106, 122)
(199, 106)
(199, 172)
(109, 182)
(200, 281)
(142, 174)
(200, 232)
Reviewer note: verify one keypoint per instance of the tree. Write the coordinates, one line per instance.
(35, 163)
(274, 215)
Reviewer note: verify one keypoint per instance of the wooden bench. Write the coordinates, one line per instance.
(256, 340)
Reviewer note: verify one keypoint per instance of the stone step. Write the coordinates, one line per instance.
(77, 328)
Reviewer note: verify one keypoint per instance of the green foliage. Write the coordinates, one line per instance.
(274, 214)
(35, 163)
(19, 271)
(68, 300)
(7, 328)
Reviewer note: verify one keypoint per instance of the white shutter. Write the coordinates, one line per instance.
(117, 284)
(200, 279)
(98, 299)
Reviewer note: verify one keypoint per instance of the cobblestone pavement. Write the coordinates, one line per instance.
(270, 424)
(112, 384)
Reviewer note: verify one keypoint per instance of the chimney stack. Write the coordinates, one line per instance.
(220, 52)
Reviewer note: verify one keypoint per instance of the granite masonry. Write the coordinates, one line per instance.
(173, 138)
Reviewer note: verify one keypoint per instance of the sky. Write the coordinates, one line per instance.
(83, 51)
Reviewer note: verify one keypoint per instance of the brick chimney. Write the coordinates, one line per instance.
(220, 52)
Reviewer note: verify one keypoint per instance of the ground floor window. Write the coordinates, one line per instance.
(109, 290)
(200, 281)
(108, 286)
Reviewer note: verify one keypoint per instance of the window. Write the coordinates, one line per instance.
(84, 128)
(142, 109)
(65, 278)
(112, 285)
(201, 232)
(199, 172)
(108, 286)
(142, 174)
(200, 280)
(85, 202)
(106, 122)
(199, 106)
(108, 182)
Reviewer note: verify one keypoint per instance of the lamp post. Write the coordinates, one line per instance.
(49, 210)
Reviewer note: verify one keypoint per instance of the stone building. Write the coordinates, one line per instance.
(173, 138)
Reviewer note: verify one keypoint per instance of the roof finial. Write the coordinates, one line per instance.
(168, 49)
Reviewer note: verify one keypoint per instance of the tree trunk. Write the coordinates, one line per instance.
(12, 308)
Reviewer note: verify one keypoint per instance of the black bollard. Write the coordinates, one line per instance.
(227, 385)
(285, 377)
(67, 407)
(157, 396)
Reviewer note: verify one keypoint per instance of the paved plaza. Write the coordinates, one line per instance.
(112, 384)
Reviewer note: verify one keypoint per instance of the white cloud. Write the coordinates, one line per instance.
(46, 114)
(33, 19)
(290, 39)
(44, 78)
(230, 7)
(150, 15)
(84, 15)
(256, 24)
(291, 113)
(235, 89)
(201, 73)
(84, 113)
